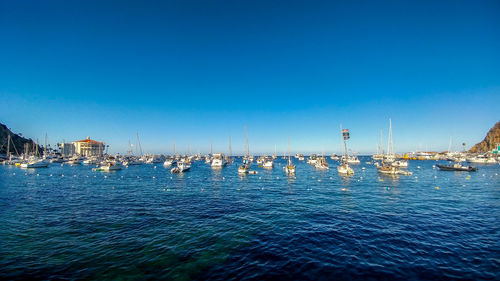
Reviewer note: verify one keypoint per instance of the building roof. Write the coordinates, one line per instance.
(88, 140)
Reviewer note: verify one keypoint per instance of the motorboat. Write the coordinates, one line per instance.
(312, 159)
(218, 161)
(75, 160)
(350, 159)
(169, 162)
(35, 163)
(181, 167)
(389, 169)
(457, 167)
(400, 163)
(268, 163)
(321, 163)
(243, 169)
(344, 169)
(482, 159)
(109, 166)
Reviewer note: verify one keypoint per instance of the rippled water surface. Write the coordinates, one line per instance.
(142, 222)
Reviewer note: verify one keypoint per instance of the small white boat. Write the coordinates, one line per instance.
(389, 169)
(481, 159)
(169, 162)
(260, 160)
(353, 159)
(312, 159)
(218, 161)
(182, 166)
(268, 163)
(75, 160)
(243, 169)
(35, 163)
(321, 164)
(91, 161)
(400, 163)
(344, 169)
(290, 169)
(109, 166)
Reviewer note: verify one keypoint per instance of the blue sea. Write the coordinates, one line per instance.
(143, 223)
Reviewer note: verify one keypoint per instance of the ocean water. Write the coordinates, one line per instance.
(143, 223)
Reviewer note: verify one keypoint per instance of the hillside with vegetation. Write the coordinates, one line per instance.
(17, 141)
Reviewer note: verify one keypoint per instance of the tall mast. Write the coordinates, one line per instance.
(8, 146)
(449, 146)
(175, 152)
(138, 148)
(247, 148)
(45, 146)
(380, 146)
(189, 147)
(230, 148)
(289, 149)
(211, 146)
(389, 145)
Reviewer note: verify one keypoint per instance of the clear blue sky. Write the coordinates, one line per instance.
(195, 70)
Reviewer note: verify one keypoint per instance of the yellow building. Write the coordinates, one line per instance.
(88, 147)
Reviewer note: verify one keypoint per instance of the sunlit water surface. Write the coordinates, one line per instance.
(68, 222)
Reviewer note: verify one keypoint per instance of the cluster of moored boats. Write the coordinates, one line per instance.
(388, 164)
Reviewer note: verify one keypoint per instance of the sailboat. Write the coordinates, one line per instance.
(289, 168)
(245, 167)
(229, 158)
(391, 157)
(321, 163)
(390, 165)
(380, 150)
(343, 168)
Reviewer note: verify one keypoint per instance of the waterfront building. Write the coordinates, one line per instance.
(89, 147)
(67, 149)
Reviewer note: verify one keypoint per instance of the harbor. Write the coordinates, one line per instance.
(210, 223)
(250, 140)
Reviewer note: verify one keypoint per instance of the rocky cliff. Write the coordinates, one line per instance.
(490, 141)
(17, 140)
